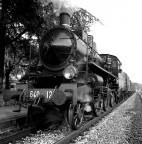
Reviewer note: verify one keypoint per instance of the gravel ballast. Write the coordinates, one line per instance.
(122, 126)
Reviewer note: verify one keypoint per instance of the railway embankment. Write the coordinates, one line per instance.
(123, 125)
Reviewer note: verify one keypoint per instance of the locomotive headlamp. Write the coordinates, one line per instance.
(20, 74)
(70, 72)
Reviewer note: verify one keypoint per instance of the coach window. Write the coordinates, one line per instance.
(109, 61)
(114, 63)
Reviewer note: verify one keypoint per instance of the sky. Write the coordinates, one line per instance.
(121, 34)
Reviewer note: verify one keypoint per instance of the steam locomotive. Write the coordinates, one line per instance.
(74, 79)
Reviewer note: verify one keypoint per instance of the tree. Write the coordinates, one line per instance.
(82, 20)
(18, 18)
(2, 42)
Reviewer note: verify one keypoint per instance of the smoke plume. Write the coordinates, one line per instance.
(83, 95)
(61, 6)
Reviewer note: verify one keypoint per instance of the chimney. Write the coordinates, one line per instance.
(65, 19)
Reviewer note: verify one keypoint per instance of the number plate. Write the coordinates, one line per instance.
(47, 93)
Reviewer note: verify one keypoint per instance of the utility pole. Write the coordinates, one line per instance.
(2, 40)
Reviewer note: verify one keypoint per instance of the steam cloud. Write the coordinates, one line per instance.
(61, 6)
(83, 96)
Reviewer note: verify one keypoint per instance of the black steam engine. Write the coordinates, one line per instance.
(74, 80)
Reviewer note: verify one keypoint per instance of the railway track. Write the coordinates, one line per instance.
(69, 138)
(65, 140)
(16, 135)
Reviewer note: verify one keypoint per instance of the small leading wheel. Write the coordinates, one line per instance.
(74, 115)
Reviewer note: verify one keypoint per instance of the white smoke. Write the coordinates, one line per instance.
(61, 6)
(87, 107)
(83, 93)
(83, 96)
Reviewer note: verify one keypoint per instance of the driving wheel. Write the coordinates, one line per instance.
(74, 115)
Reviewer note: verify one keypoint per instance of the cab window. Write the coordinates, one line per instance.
(114, 63)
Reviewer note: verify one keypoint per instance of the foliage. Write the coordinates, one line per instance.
(22, 20)
(50, 18)
(22, 17)
(82, 20)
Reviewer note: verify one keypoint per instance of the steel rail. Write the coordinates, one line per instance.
(17, 135)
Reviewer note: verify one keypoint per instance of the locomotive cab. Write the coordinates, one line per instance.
(112, 63)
